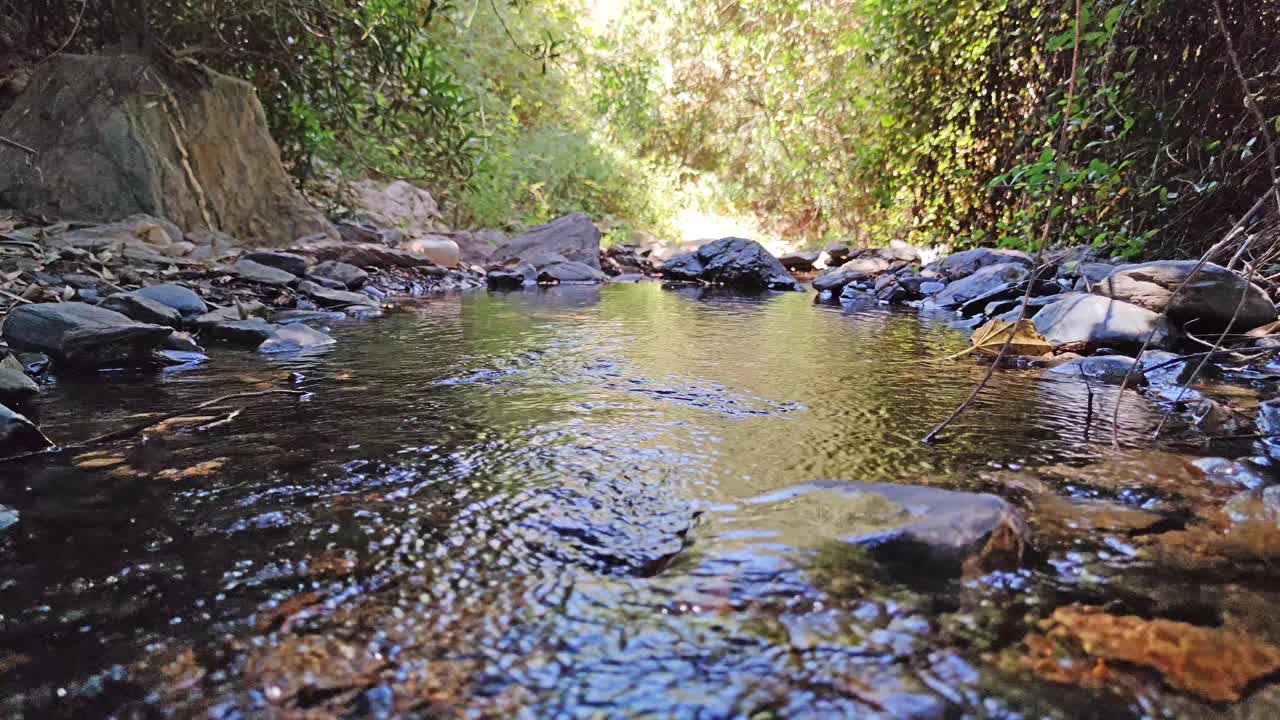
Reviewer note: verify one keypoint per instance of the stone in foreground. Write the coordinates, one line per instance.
(944, 528)
(137, 307)
(351, 277)
(981, 282)
(252, 271)
(179, 297)
(1209, 299)
(329, 296)
(736, 262)
(1097, 321)
(79, 334)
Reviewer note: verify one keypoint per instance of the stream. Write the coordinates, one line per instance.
(548, 504)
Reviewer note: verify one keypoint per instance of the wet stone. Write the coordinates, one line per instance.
(80, 334)
(1105, 369)
(293, 338)
(291, 317)
(329, 296)
(15, 387)
(18, 434)
(247, 333)
(350, 276)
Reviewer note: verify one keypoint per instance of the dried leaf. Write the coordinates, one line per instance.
(1264, 330)
(1214, 663)
(988, 339)
(102, 462)
(202, 469)
(179, 423)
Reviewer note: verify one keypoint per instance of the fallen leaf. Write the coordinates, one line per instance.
(1214, 663)
(97, 463)
(179, 423)
(988, 339)
(1264, 330)
(200, 470)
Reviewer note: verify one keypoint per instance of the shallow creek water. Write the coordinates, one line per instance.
(539, 504)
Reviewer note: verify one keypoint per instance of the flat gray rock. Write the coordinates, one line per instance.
(967, 262)
(568, 272)
(247, 269)
(179, 297)
(985, 280)
(1209, 299)
(142, 309)
(15, 387)
(80, 334)
(292, 338)
(573, 237)
(351, 277)
(289, 262)
(330, 296)
(1097, 321)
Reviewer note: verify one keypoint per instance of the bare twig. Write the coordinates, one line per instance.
(17, 145)
(150, 422)
(1037, 263)
(1249, 101)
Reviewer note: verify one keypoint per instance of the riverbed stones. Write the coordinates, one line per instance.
(18, 434)
(986, 281)
(567, 272)
(351, 276)
(800, 261)
(78, 334)
(142, 309)
(853, 270)
(247, 333)
(512, 277)
(329, 296)
(256, 272)
(944, 529)
(573, 237)
(1209, 299)
(1097, 321)
(967, 262)
(292, 338)
(735, 262)
(179, 297)
(291, 263)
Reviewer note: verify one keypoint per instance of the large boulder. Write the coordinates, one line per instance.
(573, 237)
(731, 261)
(396, 204)
(967, 262)
(984, 281)
(113, 139)
(79, 334)
(1209, 298)
(1097, 321)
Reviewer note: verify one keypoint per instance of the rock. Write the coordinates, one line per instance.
(967, 262)
(861, 268)
(574, 237)
(987, 280)
(1209, 299)
(8, 517)
(334, 297)
(731, 261)
(477, 246)
(1229, 473)
(367, 255)
(799, 261)
(207, 161)
(1166, 368)
(292, 338)
(18, 434)
(356, 233)
(246, 333)
(138, 230)
(293, 317)
(1096, 321)
(80, 334)
(16, 389)
(567, 272)
(441, 250)
(326, 282)
(1104, 369)
(289, 262)
(182, 342)
(178, 297)
(396, 204)
(251, 271)
(837, 254)
(181, 359)
(932, 287)
(34, 363)
(513, 277)
(252, 308)
(140, 308)
(899, 251)
(917, 524)
(350, 276)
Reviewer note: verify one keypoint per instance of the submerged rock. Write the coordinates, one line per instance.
(79, 334)
(1209, 298)
(1105, 369)
(292, 338)
(944, 529)
(736, 262)
(1097, 321)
